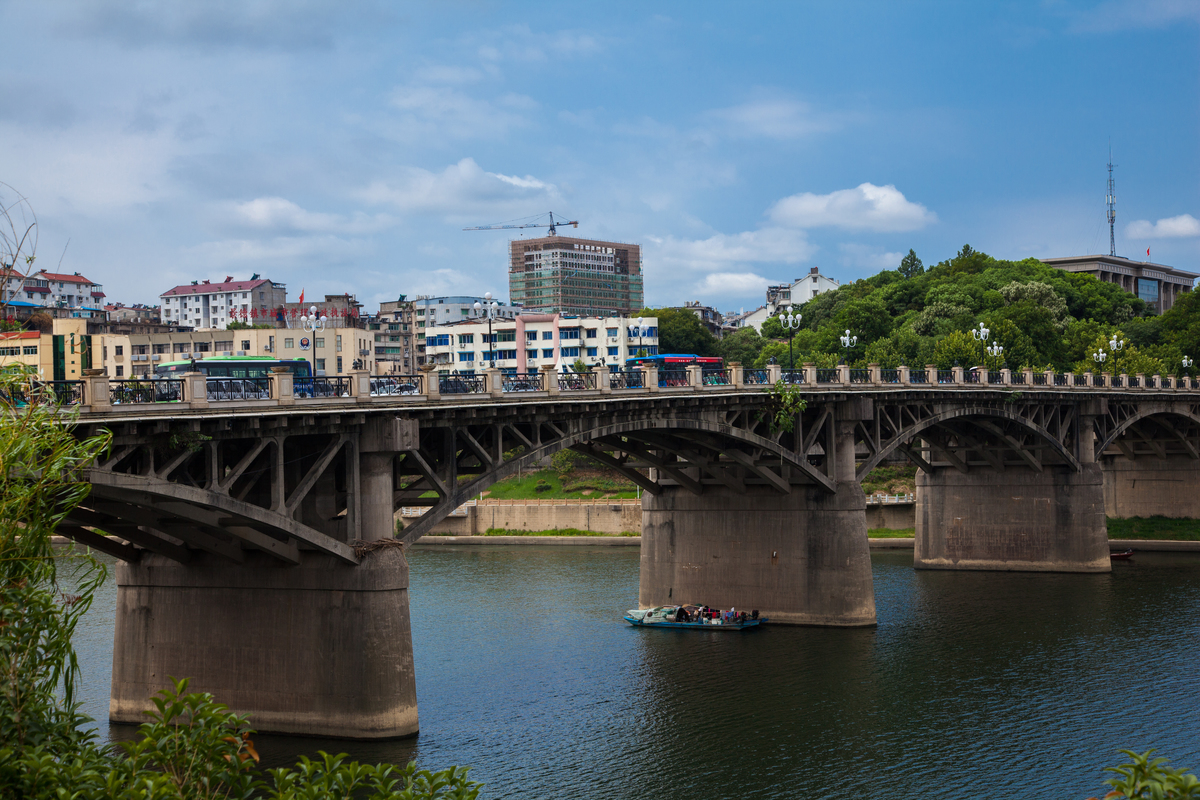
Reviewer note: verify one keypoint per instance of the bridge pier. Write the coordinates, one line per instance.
(800, 558)
(1149, 486)
(1017, 520)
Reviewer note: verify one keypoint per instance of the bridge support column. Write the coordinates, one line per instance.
(800, 558)
(1149, 487)
(1017, 520)
(323, 648)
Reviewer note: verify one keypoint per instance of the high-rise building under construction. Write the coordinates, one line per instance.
(586, 277)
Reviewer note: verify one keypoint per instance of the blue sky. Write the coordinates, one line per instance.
(342, 146)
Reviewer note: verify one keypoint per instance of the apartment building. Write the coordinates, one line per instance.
(395, 337)
(785, 295)
(333, 351)
(204, 305)
(341, 308)
(61, 355)
(530, 341)
(584, 277)
(69, 295)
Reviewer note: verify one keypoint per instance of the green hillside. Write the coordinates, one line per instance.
(1045, 319)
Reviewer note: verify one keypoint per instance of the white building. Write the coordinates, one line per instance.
(796, 293)
(202, 304)
(433, 311)
(79, 296)
(529, 341)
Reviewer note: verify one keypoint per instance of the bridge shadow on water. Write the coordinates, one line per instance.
(973, 684)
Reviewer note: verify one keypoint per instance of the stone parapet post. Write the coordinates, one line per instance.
(843, 372)
(904, 373)
(931, 374)
(433, 384)
(651, 376)
(282, 386)
(984, 372)
(775, 374)
(1049, 377)
(495, 382)
(1087, 379)
(695, 374)
(1106, 378)
(549, 378)
(1141, 379)
(1070, 378)
(735, 374)
(95, 389)
(602, 383)
(195, 389)
(876, 374)
(1124, 380)
(360, 383)
(957, 372)
(810, 373)
(1006, 376)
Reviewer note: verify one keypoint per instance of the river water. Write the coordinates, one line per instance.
(981, 685)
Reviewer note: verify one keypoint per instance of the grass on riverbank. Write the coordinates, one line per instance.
(889, 533)
(556, 532)
(546, 484)
(1166, 528)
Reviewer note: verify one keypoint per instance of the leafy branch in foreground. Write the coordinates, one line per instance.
(1150, 777)
(784, 407)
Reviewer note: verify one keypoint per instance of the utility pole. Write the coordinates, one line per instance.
(1112, 208)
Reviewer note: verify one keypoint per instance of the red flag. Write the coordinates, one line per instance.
(301, 295)
(1147, 253)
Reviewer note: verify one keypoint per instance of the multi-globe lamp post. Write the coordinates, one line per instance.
(848, 342)
(1187, 369)
(492, 308)
(791, 323)
(313, 324)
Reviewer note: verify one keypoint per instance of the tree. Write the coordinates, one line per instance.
(18, 238)
(681, 331)
(958, 348)
(742, 346)
(910, 265)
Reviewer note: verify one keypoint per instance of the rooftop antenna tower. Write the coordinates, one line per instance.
(1112, 208)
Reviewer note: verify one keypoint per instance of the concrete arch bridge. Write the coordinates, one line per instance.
(260, 555)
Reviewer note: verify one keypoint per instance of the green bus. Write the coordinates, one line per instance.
(233, 367)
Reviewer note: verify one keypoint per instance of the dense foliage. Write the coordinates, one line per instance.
(1044, 318)
(191, 746)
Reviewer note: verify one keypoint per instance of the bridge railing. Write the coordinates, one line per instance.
(627, 379)
(219, 389)
(757, 377)
(792, 376)
(918, 376)
(145, 391)
(522, 382)
(577, 382)
(391, 385)
(673, 378)
(462, 384)
(827, 376)
(321, 387)
(716, 377)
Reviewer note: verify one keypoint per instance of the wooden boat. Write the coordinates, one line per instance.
(1121, 555)
(665, 616)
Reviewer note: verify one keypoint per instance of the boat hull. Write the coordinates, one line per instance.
(728, 626)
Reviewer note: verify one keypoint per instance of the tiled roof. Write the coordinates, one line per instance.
(20, 335)
(54, 276)
(214, 288)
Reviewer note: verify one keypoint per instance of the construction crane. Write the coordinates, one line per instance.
(551, 226)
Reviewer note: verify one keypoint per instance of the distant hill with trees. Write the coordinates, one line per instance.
(1044, 317)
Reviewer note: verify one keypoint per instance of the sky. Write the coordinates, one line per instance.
(342, 146)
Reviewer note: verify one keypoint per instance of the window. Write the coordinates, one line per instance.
(120, 371)
(318, 343)
(568, 333)
(119, 350)
(592, 352)
(466, 356)
(466, 338)
(339, 358)
(531, 353)
(506, 336)
(30, 351)
(289, 343)
(162, 348)
(611, 331)
(591, 333)
(548, 353)
(181, 347)
(547, 336)
(201, 347)
(440, 340)
(531, 336)
(320, 365)
(338, 347)
(570, 352)
(246, 344)
(10, 351)
(614, 351)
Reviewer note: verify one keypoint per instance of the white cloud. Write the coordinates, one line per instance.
(866, 256)
(865, 207)
(428, 111)
(462, 190)
(280, 251)
(775, 117)
(277, 213)
(738, 284)
(721, 251)
(1180, 227)
(1116, 15)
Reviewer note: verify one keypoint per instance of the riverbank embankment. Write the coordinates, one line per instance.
(899, 543)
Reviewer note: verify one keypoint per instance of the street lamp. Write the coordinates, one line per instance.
(638, 353)
(313, 324)
(981, 334)
(1114, 344)
(491, 315)
(1187, 366)
(791, 323)
(1099, 356)
(995, 350)
(847, 341)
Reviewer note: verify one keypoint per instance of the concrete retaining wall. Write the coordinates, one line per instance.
(1152, 487)
(614, 517)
